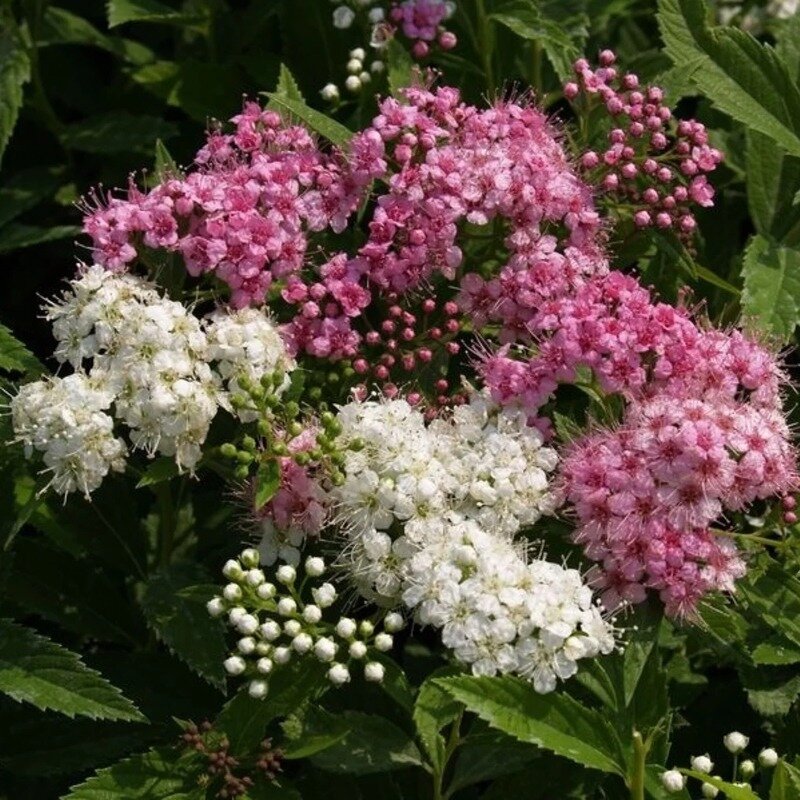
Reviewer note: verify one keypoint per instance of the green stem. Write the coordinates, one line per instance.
(748, 537)
(167, 523)
(453, 741)
(536, 68)
(637, 771)
(485, 43)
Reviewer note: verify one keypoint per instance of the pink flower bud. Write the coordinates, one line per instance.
(361, 366)
(663, 220)
(590, 160)
(447, 40)
(571, 90)
(607, 57)
(420, 49)
(641, 219)
(428, 305)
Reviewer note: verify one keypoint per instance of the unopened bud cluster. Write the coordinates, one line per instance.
(292, 618)
(735, 743)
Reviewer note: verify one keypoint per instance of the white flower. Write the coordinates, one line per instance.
(343, 17)
(672, 780)
(234, 665)
(735, 742)
(325, 649)
(338, 674)
(374, 671)
(258, 689)
(768, 757)
(702, 764)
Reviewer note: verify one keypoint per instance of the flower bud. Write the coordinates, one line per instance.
(215, 607)
(393, 622)
(324, 596)
(255, 577)
(292, 627)
(234, 665)
(286, 606)
(246, 645)
(285, 574)
(346, 628)
(315, 566)
(258, 689)
(266, 591)
(672, 780)
(338, 674)
(247, 624)
(709, 790)
(281, 655)
(302, 643)
(768, 757)
(366, 628)
(250, 557)
(343, 17)
(383, 642)
(264, 665)
(702, 764)
(325, 649)
(233, 570)
(312, 614)
(747, 769)
(735, 742)
(357, 650)
(270, 630)
(232, 592)
(374, 672)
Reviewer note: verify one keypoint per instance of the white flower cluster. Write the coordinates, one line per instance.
(754, 18)
(499, 612)
(66, 420)
(164, 371)
(429, 513)
(735, 743)
(277, 625)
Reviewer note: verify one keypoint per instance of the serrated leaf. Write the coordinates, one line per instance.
(434, 709)
(117, 132)
(554, 721)
(15, 72)
(311, 732)
(730, 790)
(329, 128)
(182, 623)
(370, 745)
(268, 481)
(399, 67)
(155, 775)
(742, 77)
(16, 236)
(164, 164)
(486, 756)
(27, 188)
(788, 46)
(775, 653)
(60, 26)
(771, 691)
(771, 295)
(772, 180)
(785, 782)
(122, 11)
(35, 670)
(15, 357)
(288, 86)
(775, 597)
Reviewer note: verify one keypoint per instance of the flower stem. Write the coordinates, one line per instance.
(637, 770)
(485, 42)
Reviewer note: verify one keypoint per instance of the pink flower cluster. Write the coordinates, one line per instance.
(659, 171)
(244, 215)
(421, 21)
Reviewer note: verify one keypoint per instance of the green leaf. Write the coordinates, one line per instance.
(164, 162)
(785, 782)
(288, 86)
(788, 46)
(434, 709)
(554, 721)
(117, 132)
(731, 791)
(771, 691)
(35, 670)
(15, 236)
(155, 775)
(15, 357)
(775, 597)
(182, 623)
(772, 180)
(15, 72)
(311, 732)
(371, 744)
(399, 67)
(329, 128)
(742, 77)
(771, 295)
(122, 11)
(268, 481)
(27, 188)
(60, 26)
(486, 756)
(158, 471)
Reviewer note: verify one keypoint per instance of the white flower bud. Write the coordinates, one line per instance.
(266, 591)
(702, 764)
(383, 642)
(312, 614)
(315, 566)
(346, 628)
(232, 592)
(709, 790)
(325, 595)
(247, 624)
(338, 674)
(234, 665)
(264, 665)
(235, 614)
(747, 769)
(258, 689)
(281, 655)
(352, 84)
(215, 607)
(292, 627)
(286, 574)
(302, 643)
(450, 9)
(358, 53)
(263, 649)
(377, 67)
(250, 557)
(255, 577)
(286, 606)
(364, 77)
(366, 628)
(270, 630)
(325, 649)
(768, 757)
(393, 622)
(376, 15)
(735, 742)
(246, 645)
(233, 570)
(358, 650)
(329, 92)
(343, 17)
(374, 672)
(672, 780)
(354, 66)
